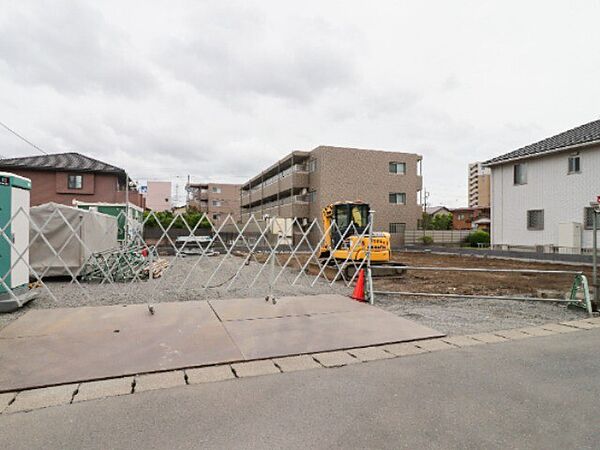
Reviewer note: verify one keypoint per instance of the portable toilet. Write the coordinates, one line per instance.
(14, 212)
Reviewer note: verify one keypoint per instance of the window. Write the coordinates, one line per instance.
(588, 218)
(397, 228)
(216, 190)
(398, 167)
(216, 216)
(535, 219)
(311, 196)
(398, 198)
(216, 202)
(520, 174)
(312, 165)
(574, 164)
(75, 182)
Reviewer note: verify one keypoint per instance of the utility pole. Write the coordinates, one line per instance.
(126, 209)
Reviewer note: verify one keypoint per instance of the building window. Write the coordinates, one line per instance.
(75, 182)
(216, 216)
(398, 198)
(216, 203)
(398, 167)
(588, 218)
(397, 228)
(312, 165)
(535, 219)
(574, 164)
(216, 190)
(520, 174)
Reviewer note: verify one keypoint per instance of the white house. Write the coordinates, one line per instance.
(541, 193)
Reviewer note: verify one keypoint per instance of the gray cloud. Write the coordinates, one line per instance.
(237, 54)
(70, 47)
(220, 89)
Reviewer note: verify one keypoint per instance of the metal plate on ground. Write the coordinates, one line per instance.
(48, 360)
(258, 308)
(68, 321)
(50, 347)
(266, 338)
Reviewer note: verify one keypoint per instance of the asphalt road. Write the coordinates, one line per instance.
(540, 393)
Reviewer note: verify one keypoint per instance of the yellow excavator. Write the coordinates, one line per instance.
(344, 242)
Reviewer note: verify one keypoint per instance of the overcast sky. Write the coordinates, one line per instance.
(219, 90)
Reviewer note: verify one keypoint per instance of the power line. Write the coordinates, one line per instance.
(23, 138)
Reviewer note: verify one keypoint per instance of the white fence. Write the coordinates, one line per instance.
(438, 236)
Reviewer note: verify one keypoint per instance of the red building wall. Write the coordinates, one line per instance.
(97, 187)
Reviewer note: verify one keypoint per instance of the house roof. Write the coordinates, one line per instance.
(584, 134)
(431, 210)
(60, 162)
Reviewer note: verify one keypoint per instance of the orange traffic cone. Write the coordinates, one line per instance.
(359, 289)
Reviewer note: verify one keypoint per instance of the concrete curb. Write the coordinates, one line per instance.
(14, 402)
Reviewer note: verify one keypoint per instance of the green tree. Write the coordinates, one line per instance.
(442, 222)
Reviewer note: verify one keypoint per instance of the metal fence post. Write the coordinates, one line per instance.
(595, 256)
(369, 274)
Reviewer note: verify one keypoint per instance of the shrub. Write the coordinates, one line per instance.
(166, 217)
(427, 240)
(478, 237)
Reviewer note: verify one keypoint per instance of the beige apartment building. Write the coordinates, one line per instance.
(217, 200)
(303, 182)
(479, 186)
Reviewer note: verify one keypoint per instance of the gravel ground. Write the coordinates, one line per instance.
(452, 316)
(172, 286)
(456, 316)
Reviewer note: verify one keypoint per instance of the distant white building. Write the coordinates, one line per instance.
(541, 193)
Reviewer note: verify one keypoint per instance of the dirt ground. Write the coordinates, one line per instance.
(463, 316)
(473, 283)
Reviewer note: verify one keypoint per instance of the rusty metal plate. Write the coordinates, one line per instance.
(58, 346)
(258, 308)
(266, 338)
(29, 362)
(69, 321)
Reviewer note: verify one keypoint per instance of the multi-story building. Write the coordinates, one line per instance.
(158, 196)
(541, 193)
(303, 182)
(217, 200)
(479, 186)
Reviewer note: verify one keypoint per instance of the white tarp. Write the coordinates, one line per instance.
(97, 232)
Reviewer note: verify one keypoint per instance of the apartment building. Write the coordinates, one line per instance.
(479, 186)
(541, 193)
(217, 200)
(303, 182)
(158, 195)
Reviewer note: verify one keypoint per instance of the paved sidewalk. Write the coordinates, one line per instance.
(540, 392)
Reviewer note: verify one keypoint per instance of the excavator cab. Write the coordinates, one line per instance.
(350, 218)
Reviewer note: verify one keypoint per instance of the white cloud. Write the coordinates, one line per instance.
(221, 89)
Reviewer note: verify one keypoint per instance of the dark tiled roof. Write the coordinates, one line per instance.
(583, 134)
(60, 161)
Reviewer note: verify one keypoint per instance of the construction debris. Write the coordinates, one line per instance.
(125, 264)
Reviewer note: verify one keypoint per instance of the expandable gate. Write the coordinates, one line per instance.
(183, 261)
